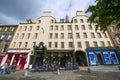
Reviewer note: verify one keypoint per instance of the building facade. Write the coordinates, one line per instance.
(45, 40)
(6, 35)
(114, 34)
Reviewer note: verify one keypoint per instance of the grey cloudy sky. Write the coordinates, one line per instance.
(16, 11)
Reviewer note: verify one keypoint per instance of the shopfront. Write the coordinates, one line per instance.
(17, 58)
(102, 56)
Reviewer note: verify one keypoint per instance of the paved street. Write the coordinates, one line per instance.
(97, 73)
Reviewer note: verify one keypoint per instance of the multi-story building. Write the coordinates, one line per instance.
(114, 34)
(63, 42)
(6, 35)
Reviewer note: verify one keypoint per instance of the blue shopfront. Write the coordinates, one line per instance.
(102, 56)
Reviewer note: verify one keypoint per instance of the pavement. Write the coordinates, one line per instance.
(95, 73)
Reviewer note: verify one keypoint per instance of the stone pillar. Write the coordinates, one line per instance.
(12, 59)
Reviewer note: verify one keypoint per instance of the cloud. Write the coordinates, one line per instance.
(13, 11)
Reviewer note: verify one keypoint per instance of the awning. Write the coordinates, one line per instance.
(17, 52)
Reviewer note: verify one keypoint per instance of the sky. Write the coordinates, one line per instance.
(17, 11)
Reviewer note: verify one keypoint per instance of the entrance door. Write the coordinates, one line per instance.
(99, 58)
(62, 61)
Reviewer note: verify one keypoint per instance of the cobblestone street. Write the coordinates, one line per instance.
(103, 73)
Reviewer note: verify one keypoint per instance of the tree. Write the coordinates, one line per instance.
(105, 13)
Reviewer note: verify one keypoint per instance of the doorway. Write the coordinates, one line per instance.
(99, 58)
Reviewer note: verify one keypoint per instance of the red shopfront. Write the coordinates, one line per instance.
(17, 58)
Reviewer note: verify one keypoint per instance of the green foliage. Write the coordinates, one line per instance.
(105, 13)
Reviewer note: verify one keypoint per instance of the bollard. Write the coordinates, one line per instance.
(89, 71)
(26, 72)
(58, 72)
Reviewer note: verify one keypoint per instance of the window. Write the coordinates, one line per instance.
(0, 28)
(95, 44)
(99, 35)
(77, 35)
(69, 27)
(62, 35)
(5, 48)
(20, 28)
(92, 35)
(75, 20)
(19, 44)
(117, 38)
(25, 28)
(79, 44)
(17, 36)
(6, 29)
(13, 45)
(36, 34)
(11, 28)
(87, 20)
(28, 35)
(105, 35)
(102, 43)
(69, 35)
(62, 44)
(81, 20)
(51, 27)
(39, 21)
(87, 44)
(76, 27)
(2, 36)
(10, 36)
(38, 27)
(34, 43)
(112, 29)
(56, 27)
(90, 27)
(70, 44)
(56, 44)
(108, 43)
(50, 44)
(83, 27)
(50, 35)
(56, 35)
(30, 28)
(62, 27)
(52, 21)
(22, 36)
(84, 35)
(26, 44)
